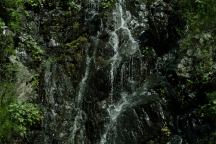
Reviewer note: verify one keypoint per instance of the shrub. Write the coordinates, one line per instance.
(16, 119)
(24, 115)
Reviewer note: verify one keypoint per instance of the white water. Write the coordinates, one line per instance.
(78, 128)
(120, 25)
(82, 84)
(116, 59)
(114, 111)
(130, 47)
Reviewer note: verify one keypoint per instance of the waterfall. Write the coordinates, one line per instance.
(82, 84)
(127, 48)
(115, 61)
(78, 128)
(114, 110)
(106, 72)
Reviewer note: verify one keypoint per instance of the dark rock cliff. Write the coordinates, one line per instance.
(112, 72)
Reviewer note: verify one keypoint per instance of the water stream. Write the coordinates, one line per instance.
(78, 128)
(123, 46)
(128, 47)
(78, 135)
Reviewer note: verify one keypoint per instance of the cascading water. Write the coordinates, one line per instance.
(123, 46)
(78, 129)
(128, 48)
(106, 72)
(125, 95)
(78, 135)
(115, 60)
(114, 111)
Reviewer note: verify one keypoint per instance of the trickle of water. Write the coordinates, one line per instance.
(122, 76)
(114, 110)
(78, 128)
(116, 59)
(82, 84)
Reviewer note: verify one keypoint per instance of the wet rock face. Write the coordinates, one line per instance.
(137, 125)
(163, 24)
(196, 129)
(58, 91)
(139, 13)
(110, 76)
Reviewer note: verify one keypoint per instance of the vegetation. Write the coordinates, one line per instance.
(16, 119)
(200, 38)
(17, 116)
(24, 115)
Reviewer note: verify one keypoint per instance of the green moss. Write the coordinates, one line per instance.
(76, 25)
(76, 44)
(14, 10)
(107, 4)
(35, 81)
(166, 131)
(11, 3)
(15, 21)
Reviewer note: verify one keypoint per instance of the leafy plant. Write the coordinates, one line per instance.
(199, 36)
(32, 48)
(6, 126)
(24, 115)
(16, 118)
(35, 81)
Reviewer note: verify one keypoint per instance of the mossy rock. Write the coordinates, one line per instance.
(107, 4)
(76, 44)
